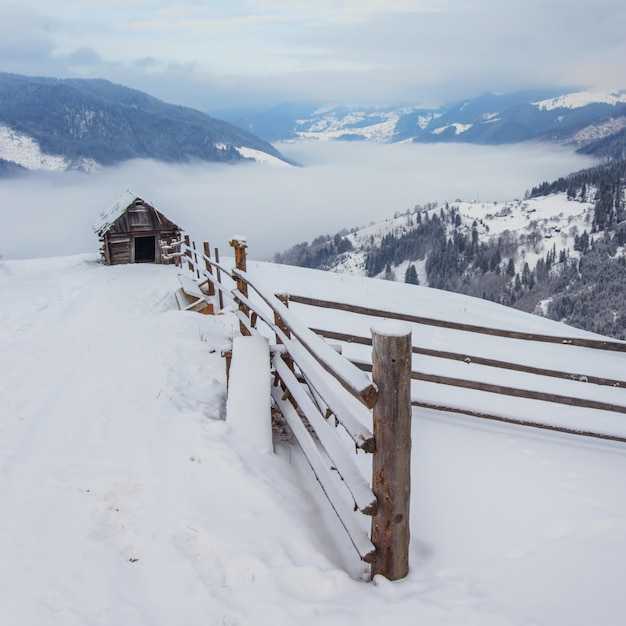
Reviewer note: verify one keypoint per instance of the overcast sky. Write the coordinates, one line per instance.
(236, 53)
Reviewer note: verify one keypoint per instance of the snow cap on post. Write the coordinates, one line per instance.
(391, 328)
(241, 241)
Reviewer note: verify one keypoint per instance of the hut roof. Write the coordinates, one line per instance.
(114, 212)
(118, 208)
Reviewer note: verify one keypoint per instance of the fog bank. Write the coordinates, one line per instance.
(340, 185)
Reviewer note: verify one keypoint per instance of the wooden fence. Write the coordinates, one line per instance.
(316, 386)
(317, 390)
(581, 395)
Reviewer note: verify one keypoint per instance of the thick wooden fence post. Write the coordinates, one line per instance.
(391, 475)
(239, 245)
(209, 268)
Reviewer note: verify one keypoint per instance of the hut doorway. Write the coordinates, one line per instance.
(145, 249)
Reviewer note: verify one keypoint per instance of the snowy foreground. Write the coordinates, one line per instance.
(126, 499)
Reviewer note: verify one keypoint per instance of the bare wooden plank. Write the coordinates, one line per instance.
(598, 344)
(359, 538)
(364, 498)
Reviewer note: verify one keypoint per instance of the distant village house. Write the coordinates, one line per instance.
(132, 231)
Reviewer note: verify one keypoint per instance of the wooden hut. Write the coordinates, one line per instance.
(132, 230)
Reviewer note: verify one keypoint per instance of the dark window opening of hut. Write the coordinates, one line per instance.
(145, 249)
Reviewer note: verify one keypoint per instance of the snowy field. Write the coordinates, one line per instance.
(125, 498)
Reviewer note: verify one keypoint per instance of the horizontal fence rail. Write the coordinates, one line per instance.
(477, 360)
(597, 344)
(316, 385)
(572, 400)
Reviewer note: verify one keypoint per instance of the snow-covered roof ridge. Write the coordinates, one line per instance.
(108, 217)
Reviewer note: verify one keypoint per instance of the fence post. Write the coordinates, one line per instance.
(195, 260)
(218, 275)
(391, 465)
(188, 253)
(239, 244)
(284, 298)
(209, 268)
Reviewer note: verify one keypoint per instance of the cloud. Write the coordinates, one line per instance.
(25, 39)
(85, 57)
(262, 52)
(342, 185)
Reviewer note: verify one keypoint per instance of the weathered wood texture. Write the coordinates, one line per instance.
(135, 236)
(391, 472)
(218, 276)
(209, 267)
(239, 247)
(477, 360)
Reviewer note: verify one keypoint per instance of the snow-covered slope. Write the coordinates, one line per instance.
(21, 149)
(534, 225)
(329, 124)
(581, 99)
(125, 498)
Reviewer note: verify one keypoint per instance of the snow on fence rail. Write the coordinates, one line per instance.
(314, 385)
(610, 345)
(576, 390)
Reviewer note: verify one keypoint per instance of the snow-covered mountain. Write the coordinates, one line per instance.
(579, 117)
(56, 125)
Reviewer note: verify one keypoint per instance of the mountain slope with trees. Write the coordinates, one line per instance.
(95, 121)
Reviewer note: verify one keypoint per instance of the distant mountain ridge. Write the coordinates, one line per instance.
(59, 124)
(586, 119)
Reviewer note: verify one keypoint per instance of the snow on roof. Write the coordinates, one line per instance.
(108, 217)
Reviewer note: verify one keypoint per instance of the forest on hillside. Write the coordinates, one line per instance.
(585, 290)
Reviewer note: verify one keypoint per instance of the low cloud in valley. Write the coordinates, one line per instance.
(339, 185)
